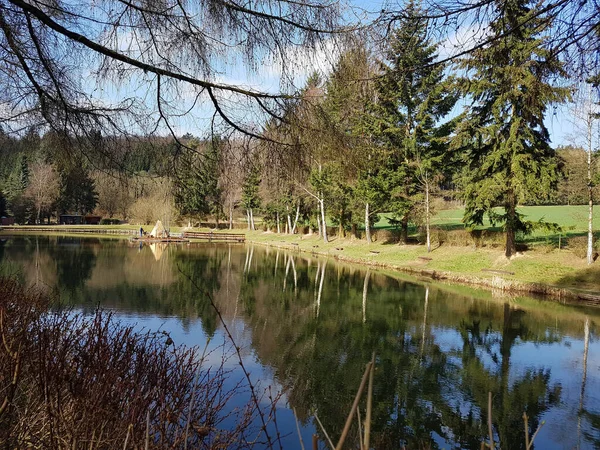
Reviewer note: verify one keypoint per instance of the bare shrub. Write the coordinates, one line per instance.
(67, 381)
(386, 236)
(493, 239)
(578, 245)
(459, 238)
(473, 238)
(437, 235)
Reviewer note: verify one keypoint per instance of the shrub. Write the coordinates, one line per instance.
(110, 222)
(67, 381)
(459, 238)
(578, 245)
(386, 236)
(493, 239)
(437, 235)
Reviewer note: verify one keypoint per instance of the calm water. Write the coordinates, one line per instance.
(307, 327)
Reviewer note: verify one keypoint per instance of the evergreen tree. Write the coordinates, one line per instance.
(16, 202)
(2, 205)
(350, 92)
(18, 178)
(413, 97)
(77, 189)
(505, 144)
(197, 191)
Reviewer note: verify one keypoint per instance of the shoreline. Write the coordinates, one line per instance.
(412, 260)
(494, 282)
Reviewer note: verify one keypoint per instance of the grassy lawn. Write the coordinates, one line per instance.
(572, 219)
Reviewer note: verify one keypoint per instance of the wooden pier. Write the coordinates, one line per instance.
(152, 240)
(212, 237)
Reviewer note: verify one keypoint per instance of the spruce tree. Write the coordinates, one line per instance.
(413, 97)
(197, 192)
(2, 205)
(504, 142)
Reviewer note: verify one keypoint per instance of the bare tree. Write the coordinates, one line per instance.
(585, 111)
(113, 194)
(230, 177)
(44, 187)
(131, 67)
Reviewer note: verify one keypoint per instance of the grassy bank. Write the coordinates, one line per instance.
(559, 269)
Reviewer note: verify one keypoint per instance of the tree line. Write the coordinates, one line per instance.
(381, 133)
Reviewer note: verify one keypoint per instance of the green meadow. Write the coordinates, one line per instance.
(573, 219)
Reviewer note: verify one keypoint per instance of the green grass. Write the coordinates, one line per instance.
(573, 219)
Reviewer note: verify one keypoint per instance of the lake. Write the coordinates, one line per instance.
(307, 326)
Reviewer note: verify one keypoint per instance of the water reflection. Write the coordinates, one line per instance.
(312, 325)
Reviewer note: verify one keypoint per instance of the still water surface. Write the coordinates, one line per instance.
(307, 326)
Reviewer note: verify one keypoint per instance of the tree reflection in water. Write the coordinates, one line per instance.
(440, 349)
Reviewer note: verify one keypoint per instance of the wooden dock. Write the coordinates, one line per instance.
(152, 240)
(214, 237)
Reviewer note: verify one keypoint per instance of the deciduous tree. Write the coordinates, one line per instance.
(43, 188)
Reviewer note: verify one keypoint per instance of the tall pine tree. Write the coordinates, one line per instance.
(413, 98)
(505, 144)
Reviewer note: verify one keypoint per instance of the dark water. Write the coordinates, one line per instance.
(307, 327)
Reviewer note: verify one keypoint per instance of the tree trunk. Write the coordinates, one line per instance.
(586, 344)
(404, 229)
(322, 203)
(248, 217)
(427, 217)
(319, 225)
(422, 348)
(252, 219)
(231, 215)
(355, 230)
(367, 224)
(320, 288)
(287, 270)
(289, 224)
(295, 274)
(278, 225)
(296, 219)
(511, 217)
(364, 297)
(341, 229)
(590, 246)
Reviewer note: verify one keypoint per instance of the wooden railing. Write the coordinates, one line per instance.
(66, 229)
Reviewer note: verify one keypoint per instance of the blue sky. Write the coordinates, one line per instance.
(269, 76)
